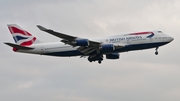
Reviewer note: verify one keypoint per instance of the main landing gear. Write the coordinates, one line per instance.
(97, 57)
(99, 61)
(156, 53)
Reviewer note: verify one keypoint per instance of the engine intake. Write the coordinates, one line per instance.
(82, 42)
(112, 56)
(107, 47)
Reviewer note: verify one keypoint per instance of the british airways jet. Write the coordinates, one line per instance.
(93, 49)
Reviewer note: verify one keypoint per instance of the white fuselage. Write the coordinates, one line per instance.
(130, 41)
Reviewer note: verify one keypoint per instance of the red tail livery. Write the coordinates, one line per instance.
(20, 36)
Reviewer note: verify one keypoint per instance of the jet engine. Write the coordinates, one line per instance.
(107, 47)
(81, 42)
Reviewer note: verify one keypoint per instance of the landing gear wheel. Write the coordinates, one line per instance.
(99, 61)
(156, 53)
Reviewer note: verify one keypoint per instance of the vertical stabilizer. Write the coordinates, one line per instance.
(21, 36)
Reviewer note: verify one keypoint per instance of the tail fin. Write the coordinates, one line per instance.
(22, 37)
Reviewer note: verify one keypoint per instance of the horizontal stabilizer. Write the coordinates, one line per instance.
(18, 46)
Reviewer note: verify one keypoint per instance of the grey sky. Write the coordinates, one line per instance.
(136, 76)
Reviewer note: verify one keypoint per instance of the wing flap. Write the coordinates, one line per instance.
(86, 50)
(89, 51)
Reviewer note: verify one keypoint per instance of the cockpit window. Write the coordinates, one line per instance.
(159, 31)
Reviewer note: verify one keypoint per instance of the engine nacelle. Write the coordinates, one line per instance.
(112, 56)
(82, 42)
(107, 47)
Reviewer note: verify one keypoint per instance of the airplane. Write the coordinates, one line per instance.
(93, 49)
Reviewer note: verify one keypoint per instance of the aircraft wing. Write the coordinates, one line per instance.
(60, 35)
(68, 39)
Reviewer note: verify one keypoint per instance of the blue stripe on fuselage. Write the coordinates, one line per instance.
(125, 49)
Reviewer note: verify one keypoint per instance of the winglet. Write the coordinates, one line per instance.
(42, 28)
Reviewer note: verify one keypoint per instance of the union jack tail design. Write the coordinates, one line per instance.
(22, 37)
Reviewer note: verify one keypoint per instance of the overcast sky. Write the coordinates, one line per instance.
(136, 76)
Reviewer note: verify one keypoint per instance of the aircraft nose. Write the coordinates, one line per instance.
(171, 39)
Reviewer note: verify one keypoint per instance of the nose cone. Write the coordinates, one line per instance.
(171, 39)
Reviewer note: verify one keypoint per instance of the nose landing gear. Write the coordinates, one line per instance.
(156, 53)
